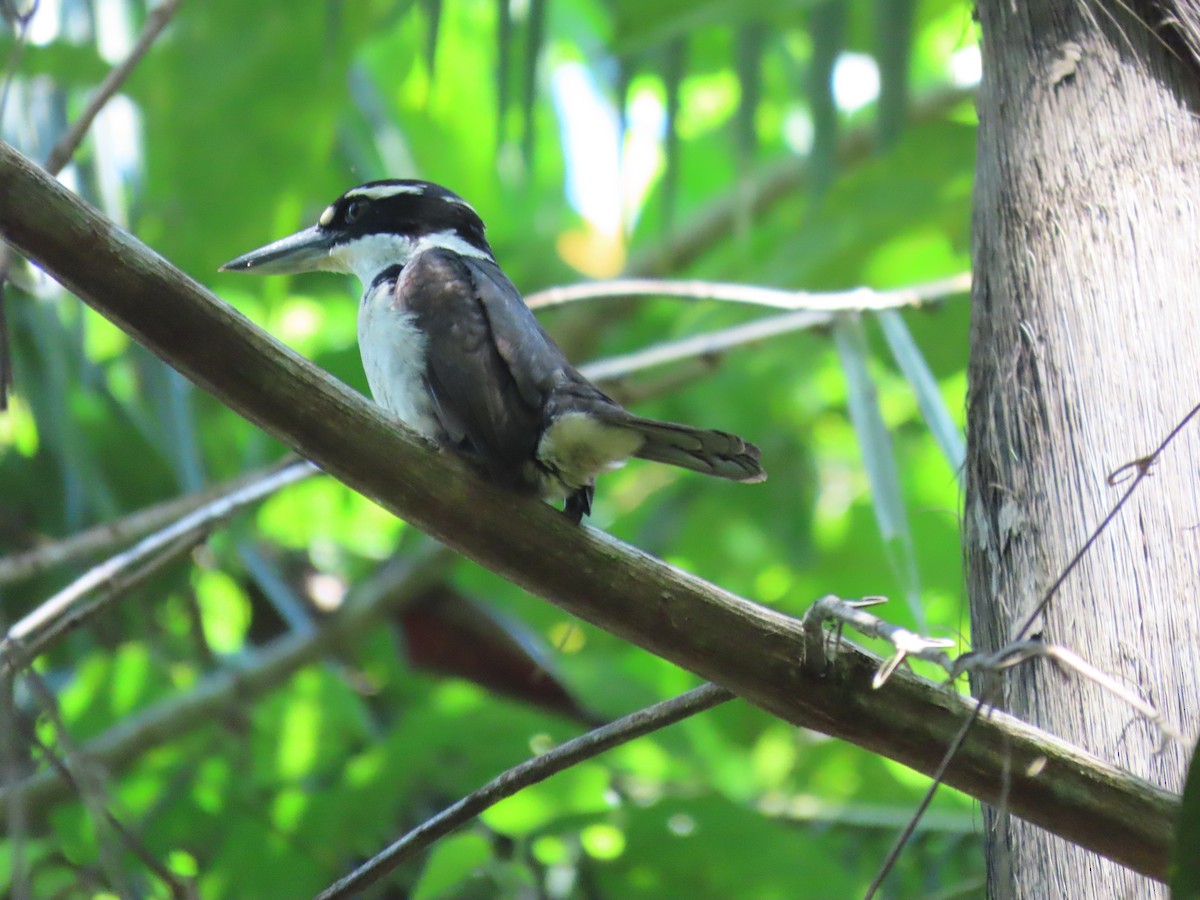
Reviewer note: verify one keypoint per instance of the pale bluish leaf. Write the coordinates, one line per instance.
(879, 458)
(912, 363)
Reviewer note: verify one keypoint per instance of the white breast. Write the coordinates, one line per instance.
(393, 355)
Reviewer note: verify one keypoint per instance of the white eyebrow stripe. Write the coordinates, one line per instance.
(461, 202)
(448, 240)
(379, 191)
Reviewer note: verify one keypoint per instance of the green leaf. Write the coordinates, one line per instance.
(827, 25)
(912, 363)
(504, 52)
(674, 63)
(640, 25)
(1185, 857)
(751, 40)
(894, 28)
(452, 862)
(225, 610)
(66, 63)
(582, 789)
(534, 39)
(879, 457)
(433, 13)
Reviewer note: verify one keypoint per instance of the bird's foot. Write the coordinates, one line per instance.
(579, 504)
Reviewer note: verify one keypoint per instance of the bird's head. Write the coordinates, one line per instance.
(372, 228)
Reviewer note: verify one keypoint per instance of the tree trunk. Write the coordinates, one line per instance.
(1084, 342)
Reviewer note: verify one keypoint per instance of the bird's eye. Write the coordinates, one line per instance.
(355, 210)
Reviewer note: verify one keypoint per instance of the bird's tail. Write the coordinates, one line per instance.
(716, 453)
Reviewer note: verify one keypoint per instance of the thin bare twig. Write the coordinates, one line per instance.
(1012, 654)
(932, 650)
(64, 150)
(178, 889)
(1021, 651)
(14, 58)
(87, 787)
(822, 311)
(120, 586)
(529, 772)
(631, 392)
(107, 535)
(859, 299)
(206, 516)
(703, 346)
(6, 364)
(717, 219)
(16, 813)
(255, 673)
(1140, 468)
(156, 21)
(906, 833)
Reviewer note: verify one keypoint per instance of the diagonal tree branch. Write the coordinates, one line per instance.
(751, 650)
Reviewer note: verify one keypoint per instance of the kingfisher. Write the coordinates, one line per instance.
(452, 351)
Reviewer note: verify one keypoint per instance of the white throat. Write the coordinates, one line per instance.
(369, 256)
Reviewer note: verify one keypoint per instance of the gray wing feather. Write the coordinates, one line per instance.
(538, 366)
(479, 403)
(717, 453)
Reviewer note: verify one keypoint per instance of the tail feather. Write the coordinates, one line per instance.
(716, 453)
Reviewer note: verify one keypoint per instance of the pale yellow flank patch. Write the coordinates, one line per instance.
(580, 447)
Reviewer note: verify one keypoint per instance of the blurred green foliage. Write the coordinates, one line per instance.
(241, 123)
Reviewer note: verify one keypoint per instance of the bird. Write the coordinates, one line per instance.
(451, 349)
